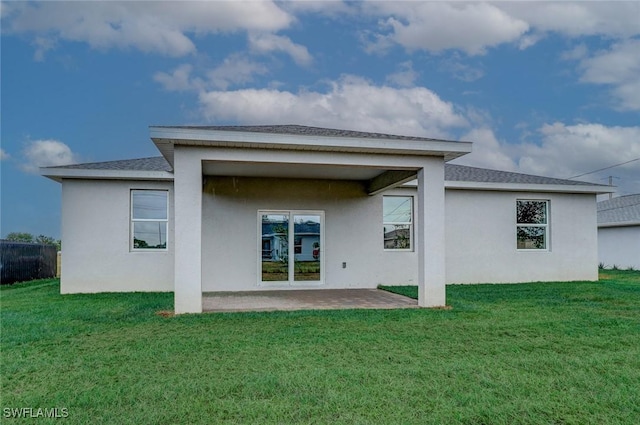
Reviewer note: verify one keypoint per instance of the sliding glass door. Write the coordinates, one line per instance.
(291, 246)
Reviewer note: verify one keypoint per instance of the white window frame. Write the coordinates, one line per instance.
(291, 230)
(547, 240)
(133, 220)
(399, 223)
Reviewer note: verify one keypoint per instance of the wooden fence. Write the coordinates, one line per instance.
(20, 261)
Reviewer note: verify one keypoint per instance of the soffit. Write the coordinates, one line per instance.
(298, 171)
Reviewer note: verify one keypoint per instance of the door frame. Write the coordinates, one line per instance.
(291, 283)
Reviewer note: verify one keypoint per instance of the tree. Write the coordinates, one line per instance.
(28, 238)
(20, 237)
(48, 240)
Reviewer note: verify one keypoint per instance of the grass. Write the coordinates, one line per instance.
(550, 353)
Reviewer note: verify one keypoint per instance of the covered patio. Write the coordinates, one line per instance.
(314, 299)
(234, 186)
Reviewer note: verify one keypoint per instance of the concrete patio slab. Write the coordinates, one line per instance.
(316, 299)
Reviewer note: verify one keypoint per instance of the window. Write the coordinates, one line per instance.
(149, 219)
(397, 212)
(532, 226)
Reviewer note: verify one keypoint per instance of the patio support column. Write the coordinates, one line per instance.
(188, 232)
(430, 237)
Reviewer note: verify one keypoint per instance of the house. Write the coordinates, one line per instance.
(619, 232)
(224, 206)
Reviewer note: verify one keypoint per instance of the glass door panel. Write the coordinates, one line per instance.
(275, 247)
(306, 247)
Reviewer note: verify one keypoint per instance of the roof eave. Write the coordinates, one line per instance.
(528, 187)
(165, 138)
(620, 224)
(57, 174)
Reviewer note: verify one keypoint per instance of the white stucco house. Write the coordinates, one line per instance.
(619, 232)
(243, 208)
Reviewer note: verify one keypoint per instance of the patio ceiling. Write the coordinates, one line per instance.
(377, 179)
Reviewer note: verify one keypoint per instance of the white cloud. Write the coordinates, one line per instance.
(4, 155)
(487, 151)
(459, 70)
(578, 52)
(42, 45)
(46, 153)
(612, 19)
(620, 63)
(179, 80)
(529, 40)
(266, 43)
(235, 70)
(159, 27)
(570, 150)
(619, 67)
(404, 77)
(475, 26)
(438, 26)
(563, 151)
(350, 103)
(333, 8)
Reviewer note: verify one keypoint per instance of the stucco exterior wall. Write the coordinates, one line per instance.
(96, 254)
(480, 234)
(619, 246)
(481, 238)
(353, 233)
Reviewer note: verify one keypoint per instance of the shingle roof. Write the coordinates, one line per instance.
(464, 173)
(302, 130)
(156, 163)
(623, 209)
(453, 172)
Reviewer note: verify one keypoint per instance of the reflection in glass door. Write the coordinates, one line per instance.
(306, 247)
(291, 245)
(275, 247)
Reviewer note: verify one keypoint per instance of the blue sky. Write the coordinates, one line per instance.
(547, 88)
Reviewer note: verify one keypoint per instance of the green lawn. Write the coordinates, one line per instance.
(550, 353)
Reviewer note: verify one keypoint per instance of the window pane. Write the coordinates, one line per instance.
(149, 234)
(275, 247)
(396, 209)
(306, 264)
(397, 236)
(150, 204)
(531, 238)
(532, 212)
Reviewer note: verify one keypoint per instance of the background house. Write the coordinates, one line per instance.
(619, 232)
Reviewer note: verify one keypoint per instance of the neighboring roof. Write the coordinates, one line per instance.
(302, 138)
(464, 175)
(620, 211)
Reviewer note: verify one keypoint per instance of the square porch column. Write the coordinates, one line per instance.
(188, 232)
(430, 235)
